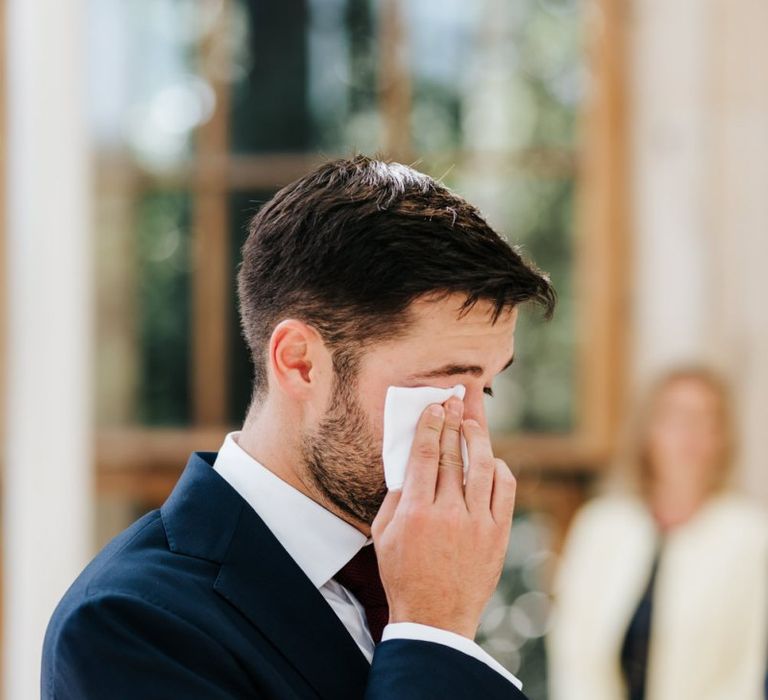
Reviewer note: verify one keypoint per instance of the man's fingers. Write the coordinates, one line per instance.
(482, 466)
(503, 498)
(421, 473)
(386, 512)
(450, 475)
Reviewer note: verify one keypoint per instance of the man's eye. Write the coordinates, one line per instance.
(488, 391)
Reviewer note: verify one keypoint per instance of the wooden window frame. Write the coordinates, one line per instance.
(143, 463)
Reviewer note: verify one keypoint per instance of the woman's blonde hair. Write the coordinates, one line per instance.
(634, 468)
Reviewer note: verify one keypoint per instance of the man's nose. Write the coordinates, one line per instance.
(474, 405)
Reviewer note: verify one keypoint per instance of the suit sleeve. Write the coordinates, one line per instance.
(418, 670)
(120, 646)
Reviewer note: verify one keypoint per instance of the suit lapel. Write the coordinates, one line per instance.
(267, 586)
(205, 517)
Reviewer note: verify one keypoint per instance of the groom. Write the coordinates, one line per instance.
(280, 567)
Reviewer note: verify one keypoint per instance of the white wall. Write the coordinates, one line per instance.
(699, 184)
(47, 482)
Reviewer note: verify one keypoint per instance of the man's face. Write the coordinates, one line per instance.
(343, 453)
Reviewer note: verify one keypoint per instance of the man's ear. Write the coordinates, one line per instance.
(297, 358)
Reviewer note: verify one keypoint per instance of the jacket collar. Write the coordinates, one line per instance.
(319, 541)
(205, 517)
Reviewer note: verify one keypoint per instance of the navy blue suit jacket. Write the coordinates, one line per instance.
(199, 600)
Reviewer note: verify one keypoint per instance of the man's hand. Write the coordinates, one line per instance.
(441, 544)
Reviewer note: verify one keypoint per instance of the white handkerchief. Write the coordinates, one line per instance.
(403, 407)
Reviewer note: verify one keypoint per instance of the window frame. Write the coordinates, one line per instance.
(144, 462)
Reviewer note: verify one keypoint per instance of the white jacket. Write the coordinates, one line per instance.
(709, 632)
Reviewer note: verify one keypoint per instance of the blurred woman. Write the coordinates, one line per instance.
(662, 591)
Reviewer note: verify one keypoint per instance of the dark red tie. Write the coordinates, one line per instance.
(360, 576)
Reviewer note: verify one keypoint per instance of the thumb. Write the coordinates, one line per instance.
(386, 513)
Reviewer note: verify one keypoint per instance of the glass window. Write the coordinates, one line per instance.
(163, 273)
(304, 76)
(492, 90)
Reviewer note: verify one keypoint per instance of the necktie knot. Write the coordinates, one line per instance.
(360, 576)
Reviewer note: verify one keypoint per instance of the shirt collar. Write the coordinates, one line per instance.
(320, 542)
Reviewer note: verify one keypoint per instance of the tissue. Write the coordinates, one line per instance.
(403, 407)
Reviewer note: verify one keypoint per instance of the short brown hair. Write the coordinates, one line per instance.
(349, 246)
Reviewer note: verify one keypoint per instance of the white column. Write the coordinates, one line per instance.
(699, 118)
(739, 195)
(669, 122)
(47, 454)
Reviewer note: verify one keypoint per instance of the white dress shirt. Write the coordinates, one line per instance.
(321, 543)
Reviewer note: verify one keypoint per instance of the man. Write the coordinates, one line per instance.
(257, 577)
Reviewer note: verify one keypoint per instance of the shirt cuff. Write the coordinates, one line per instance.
(426, 633)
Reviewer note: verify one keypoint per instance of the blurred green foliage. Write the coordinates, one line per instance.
(163, 227)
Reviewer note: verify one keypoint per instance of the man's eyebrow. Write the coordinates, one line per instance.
(453, 369)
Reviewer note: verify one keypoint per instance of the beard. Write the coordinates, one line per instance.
(342, 456)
